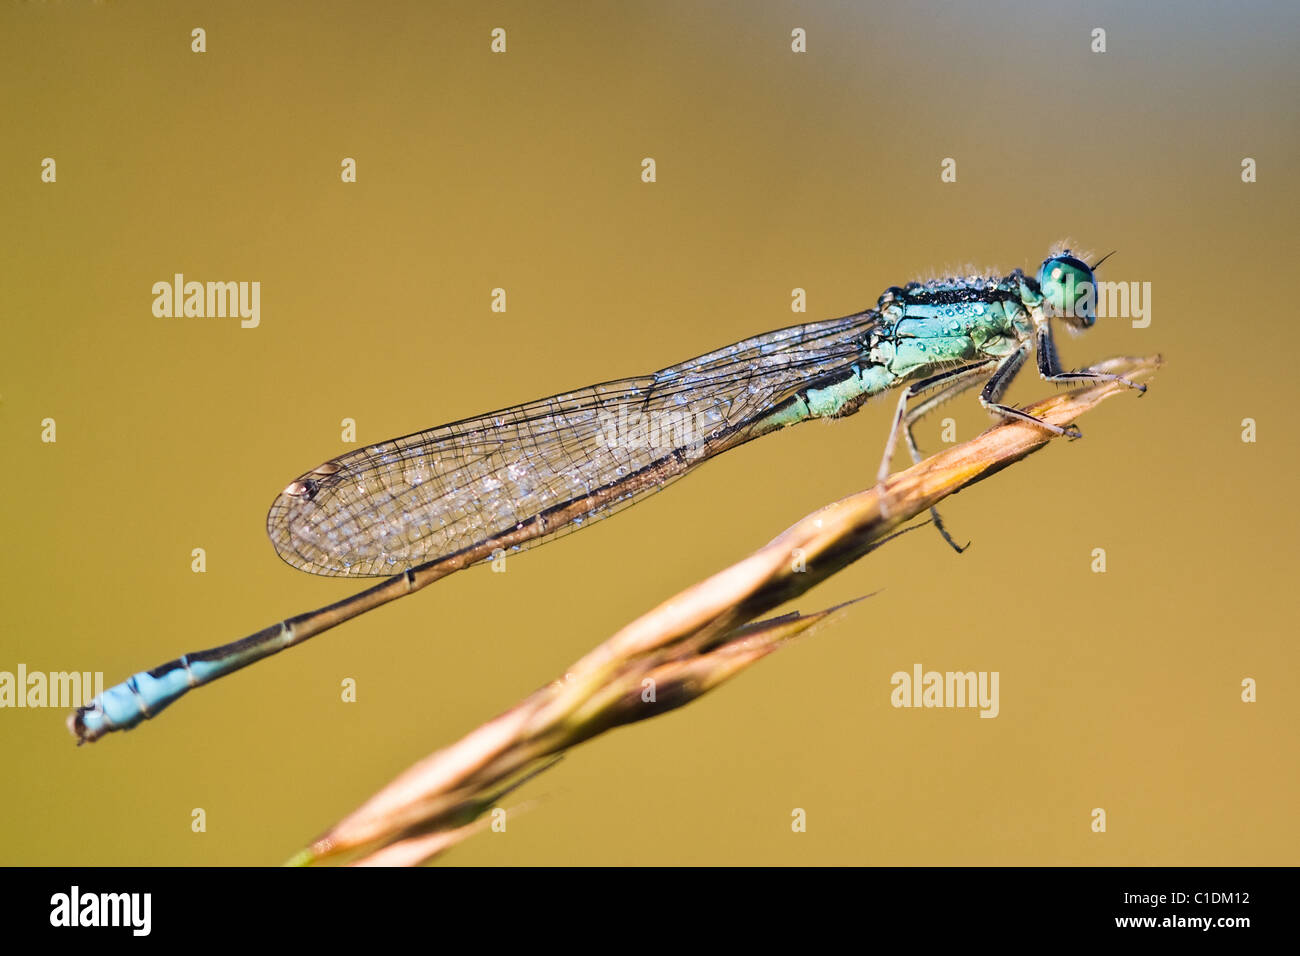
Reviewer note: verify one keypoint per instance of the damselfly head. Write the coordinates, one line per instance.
(1068, 289)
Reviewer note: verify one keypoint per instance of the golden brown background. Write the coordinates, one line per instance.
(775, 170)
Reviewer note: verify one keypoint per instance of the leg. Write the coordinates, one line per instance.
(910, 392)
(997, 385)
(955, 380)
(1049, 365)
(955, 388)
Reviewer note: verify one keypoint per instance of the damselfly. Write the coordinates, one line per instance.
(417, 508)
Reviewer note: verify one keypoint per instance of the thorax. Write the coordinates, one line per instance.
(927, 326)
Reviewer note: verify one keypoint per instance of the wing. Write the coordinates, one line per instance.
(535, 471)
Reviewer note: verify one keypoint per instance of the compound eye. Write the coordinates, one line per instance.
(1068, 290)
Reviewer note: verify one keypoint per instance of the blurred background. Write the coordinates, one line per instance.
(775, 170)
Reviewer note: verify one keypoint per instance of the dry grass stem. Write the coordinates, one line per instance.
(680, 650)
